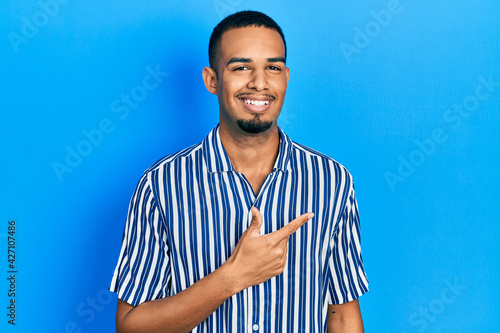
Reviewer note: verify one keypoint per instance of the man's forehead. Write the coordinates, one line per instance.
(245, 38)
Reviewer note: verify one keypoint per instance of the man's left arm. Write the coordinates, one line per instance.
(345, 318)
(346, 273)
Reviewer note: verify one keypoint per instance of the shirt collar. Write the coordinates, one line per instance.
(217, 160)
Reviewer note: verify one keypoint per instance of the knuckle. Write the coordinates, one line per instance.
(280, 253)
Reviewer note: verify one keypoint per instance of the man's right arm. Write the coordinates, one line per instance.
(255, 259)
(181, 312)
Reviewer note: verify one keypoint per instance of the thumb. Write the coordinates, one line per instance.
(256, 222)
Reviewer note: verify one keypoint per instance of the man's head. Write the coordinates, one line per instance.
(249, 76)
(247, 18)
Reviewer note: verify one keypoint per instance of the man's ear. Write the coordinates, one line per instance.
(210, 79)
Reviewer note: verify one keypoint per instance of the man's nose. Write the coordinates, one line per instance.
(258, 80)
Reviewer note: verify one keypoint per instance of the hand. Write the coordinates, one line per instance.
(257, 258)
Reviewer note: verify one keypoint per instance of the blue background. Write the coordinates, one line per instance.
(368, 93)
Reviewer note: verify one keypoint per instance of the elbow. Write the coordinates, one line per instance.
(123, 320)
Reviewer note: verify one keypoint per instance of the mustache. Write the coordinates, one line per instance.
(256, 95)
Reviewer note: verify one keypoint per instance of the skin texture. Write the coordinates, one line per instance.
(251, 66)
(345, 318)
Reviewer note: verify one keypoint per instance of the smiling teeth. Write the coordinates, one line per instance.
(258, 103)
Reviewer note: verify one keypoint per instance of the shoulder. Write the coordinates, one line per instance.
(173, 158)
(309, 153)
(306, 157)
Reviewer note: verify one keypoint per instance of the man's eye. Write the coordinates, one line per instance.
(274, 68)
(241, 68)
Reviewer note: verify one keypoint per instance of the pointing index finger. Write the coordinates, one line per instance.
(293, 226)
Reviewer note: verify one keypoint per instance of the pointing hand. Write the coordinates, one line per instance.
(257, 258)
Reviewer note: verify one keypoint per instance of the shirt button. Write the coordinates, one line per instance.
(255, 327)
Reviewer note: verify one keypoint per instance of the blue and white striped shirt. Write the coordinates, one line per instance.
(190, 209)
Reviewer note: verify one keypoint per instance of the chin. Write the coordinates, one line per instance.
(255, 126)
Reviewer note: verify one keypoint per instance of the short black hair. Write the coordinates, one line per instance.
(246, 18)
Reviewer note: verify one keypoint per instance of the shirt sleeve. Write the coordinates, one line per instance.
(143, 270)
(346, 274)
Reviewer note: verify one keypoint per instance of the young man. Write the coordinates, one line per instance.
(216, 238)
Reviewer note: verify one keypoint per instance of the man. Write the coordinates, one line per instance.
(216, 237)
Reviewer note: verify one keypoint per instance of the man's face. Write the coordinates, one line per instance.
(252, 79)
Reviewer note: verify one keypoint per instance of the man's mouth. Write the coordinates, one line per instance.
(255, 102)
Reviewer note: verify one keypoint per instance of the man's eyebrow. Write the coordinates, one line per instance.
(277, 59)
(247, 60)
(238, 60)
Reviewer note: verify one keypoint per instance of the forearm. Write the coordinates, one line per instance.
(181, 312)
(345, 318)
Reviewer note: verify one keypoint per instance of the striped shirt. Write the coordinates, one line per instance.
(190, 209)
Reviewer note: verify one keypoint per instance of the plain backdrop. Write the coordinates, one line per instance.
(405, 94)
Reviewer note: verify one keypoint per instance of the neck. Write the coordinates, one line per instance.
(251, 154)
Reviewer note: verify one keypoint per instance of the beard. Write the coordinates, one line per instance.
(254, 126)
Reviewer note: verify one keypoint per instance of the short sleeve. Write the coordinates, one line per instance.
(346, 274)
(143, 270)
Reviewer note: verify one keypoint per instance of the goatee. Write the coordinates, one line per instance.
(255, 125)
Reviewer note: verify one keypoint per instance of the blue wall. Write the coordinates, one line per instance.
(405, 94)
